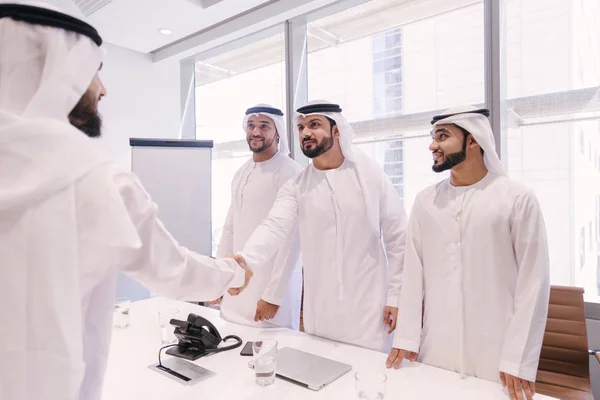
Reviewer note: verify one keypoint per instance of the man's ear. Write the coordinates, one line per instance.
(473, 142)
(336, 131)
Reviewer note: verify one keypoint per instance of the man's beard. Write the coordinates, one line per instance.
(452, 159)
(320, 148)
(262, 148)
(85, 117)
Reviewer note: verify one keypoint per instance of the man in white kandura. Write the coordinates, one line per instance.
(476, 253)
(276, 288)
(69, 218)
(352, 231)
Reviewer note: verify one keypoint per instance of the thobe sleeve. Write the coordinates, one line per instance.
(160, 263)
(286, 260)
(226, 243)
(393, 227)
(523, 338)
(273, 232)
(410, 306)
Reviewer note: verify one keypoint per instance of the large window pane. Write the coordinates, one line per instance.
(226, 85)
(390, 64)
(552, 128)
(407, 162)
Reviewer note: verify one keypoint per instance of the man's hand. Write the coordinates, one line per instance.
(390, 315)
(265, 311)
(516, 387)
(242, 263)
(215, 302)
(397, 355)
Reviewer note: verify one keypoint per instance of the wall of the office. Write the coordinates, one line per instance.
(143, 100)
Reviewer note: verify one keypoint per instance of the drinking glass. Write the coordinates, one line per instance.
(265, 361)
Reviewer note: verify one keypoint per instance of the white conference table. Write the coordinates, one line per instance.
(134, 348)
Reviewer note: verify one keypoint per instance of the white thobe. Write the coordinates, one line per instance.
(478, 255)
(350, 272)
(68, 220)
(278, 280)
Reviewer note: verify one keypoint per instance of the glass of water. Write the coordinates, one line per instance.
(265, 361)
(370, 385)
(166, 329)
(121, 313)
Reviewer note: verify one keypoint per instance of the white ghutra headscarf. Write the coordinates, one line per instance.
(474, 121)
(47, 62)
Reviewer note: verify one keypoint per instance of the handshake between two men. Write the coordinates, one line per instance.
(264, 310)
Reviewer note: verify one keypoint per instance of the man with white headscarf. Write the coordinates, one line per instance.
(477, 261)
(352, 227)
(273, 298)
(69, 217)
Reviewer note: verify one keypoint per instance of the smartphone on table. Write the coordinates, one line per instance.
(247, 350)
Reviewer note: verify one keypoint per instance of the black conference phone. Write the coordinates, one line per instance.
(198, 337)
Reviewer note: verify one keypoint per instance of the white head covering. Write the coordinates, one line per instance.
(354, 155)
(474, 121)
(45, 69)
(277, 116)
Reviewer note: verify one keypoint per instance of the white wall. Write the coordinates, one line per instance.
(143, 100)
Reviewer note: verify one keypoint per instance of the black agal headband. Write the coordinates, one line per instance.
(483, 111)
(45, 17)
(319, 108)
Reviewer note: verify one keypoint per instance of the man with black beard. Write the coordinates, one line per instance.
(352, 227)
(476, 252)
(69, 218)
(273, 299)
(85, 116)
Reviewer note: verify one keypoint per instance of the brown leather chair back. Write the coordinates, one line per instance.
(563, 370)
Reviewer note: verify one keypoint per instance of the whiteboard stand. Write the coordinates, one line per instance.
(177, 175)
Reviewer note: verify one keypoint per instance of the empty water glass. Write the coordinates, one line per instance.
(370, 385)
(121, 312)
(265, 361)
(166, 329)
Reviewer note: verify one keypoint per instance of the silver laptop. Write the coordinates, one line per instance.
(307, 369)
